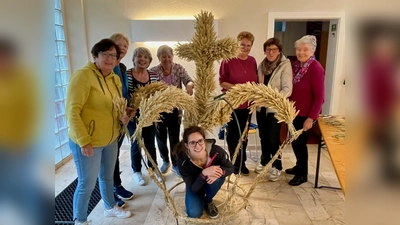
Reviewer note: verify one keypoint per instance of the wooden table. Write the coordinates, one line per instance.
(336, 149)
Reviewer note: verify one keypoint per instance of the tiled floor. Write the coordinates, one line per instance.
(273, 203)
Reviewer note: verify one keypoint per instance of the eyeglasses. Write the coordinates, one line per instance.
(106, 55)
(194, 143)
(273, 50)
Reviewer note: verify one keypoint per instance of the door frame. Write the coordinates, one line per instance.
(338, 70)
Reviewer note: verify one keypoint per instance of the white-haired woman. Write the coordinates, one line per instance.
(172, 74)
(308, 95)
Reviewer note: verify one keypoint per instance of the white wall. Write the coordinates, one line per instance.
(104, 17)
(75, 31)
(329, 72)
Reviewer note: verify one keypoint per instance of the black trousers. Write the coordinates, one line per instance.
(269, 131)
(117, 177)
(300, 148)
(169, 127)
(233, 137)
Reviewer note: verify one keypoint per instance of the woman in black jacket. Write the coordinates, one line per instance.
(203, 166)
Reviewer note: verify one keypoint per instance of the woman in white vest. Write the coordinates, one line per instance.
(276, 71)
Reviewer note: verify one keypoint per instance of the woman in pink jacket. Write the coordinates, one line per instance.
(308, 95)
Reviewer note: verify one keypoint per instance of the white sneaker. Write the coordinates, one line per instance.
(259, 168)
(158, 178)
(117, 212)
(275, 174)
(138, 178)
(82, 223)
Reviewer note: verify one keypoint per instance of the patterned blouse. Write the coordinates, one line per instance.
(178, 75)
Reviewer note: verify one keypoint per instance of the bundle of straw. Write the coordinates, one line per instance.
(145, 92)
(261, 95)
(164, 101)
(120, 104)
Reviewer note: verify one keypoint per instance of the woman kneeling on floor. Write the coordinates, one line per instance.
(203, 166)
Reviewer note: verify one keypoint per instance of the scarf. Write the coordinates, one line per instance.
(301, 71)
(268, 67)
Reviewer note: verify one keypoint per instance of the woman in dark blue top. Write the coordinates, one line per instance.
(120, 69)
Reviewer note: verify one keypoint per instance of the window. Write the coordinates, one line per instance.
(61, 82)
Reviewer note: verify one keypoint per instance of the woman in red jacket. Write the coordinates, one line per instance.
(308, 95)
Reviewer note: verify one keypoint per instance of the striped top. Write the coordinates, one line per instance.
(133, 83)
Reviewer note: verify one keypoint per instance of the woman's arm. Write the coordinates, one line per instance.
(286, 79)
(193, 181)
(224, 76)
(183, 75)
(78, 93)
(318, 90)
(226, 85)
(224, 161)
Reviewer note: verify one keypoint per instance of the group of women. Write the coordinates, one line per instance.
(94, 122)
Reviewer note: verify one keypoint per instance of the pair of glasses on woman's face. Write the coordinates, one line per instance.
(272, 50)
(106, 55)
(194, 143)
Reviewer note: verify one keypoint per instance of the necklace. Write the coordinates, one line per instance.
(240, 63)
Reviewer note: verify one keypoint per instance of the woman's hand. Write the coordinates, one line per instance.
(213, 171)
(226, 85)
(211, 179)
(130, 112)
(87, 150)
(308, 124)
(124, 119)
(189, 88)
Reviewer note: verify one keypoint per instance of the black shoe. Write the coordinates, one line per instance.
(297, 180)
(120, 203)
(291, 171)
(212, 210)
(236, 171)
(123, 193)
(245, 171)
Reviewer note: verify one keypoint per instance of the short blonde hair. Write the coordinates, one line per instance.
(164, 49)
(118, 36)
(247, 35)
(307, 39)
(144, 51)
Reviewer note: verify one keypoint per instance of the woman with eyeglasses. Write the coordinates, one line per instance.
(94, 128)
(239, 70)
(275, 71)
(203, 166)
(308, 97)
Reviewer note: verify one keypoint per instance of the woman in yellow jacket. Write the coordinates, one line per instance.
(94, 127)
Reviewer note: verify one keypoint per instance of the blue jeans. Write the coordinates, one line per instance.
(100, 165)
(196, 201)
(148, 137)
